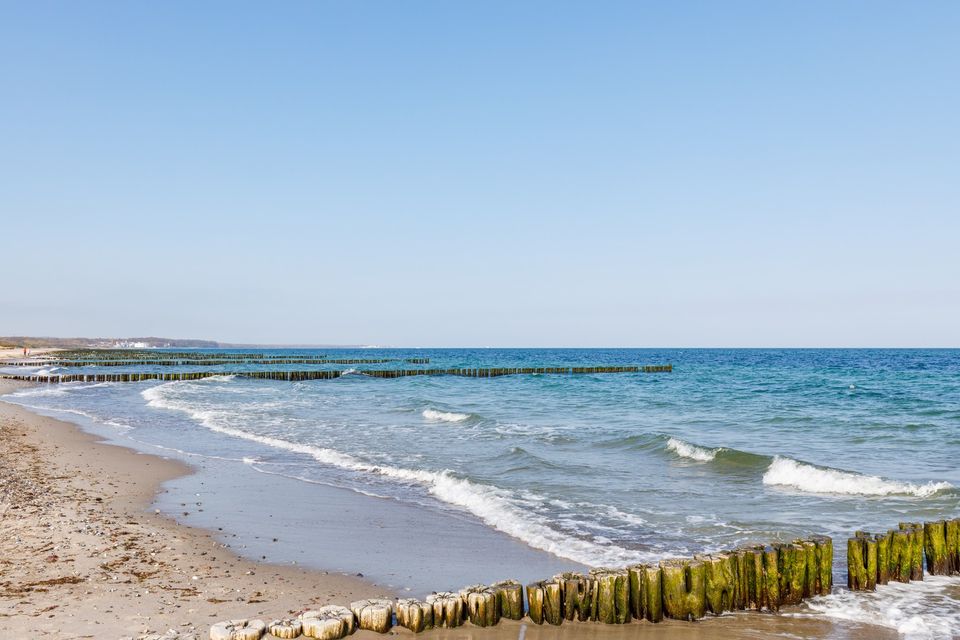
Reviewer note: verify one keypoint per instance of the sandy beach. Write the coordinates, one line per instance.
(86, 555)
(83, 556)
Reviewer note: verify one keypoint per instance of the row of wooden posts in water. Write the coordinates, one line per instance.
(154, 354)
(898, 555)
(208, 361)
(763, 577)
(329, 374)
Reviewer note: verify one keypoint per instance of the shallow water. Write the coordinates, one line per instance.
(734, 446)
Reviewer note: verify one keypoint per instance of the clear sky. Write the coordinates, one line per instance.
(483, 173)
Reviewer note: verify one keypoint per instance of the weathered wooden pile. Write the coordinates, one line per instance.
(763, 577)
(327, 374)
(898, 555)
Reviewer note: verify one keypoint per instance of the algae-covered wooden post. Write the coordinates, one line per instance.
(414, 615)
(953, 544)
(824, 568)
(793, 573)
(720, 571)
(811, 568)
(859, 577)
(901, 556)
(915, 530)
(480, 603)
(884, 565)
(373, 614)
(577, 595)
(447, 609)
(612, 595)
(509, 598)
(684, 589)
(935, 548)
(543, 602)
(646, 599)
(752, 577)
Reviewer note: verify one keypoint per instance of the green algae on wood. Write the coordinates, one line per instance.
(577, 595)
(612, 595)
(684, 589)
(480, 604)
(720, 571)
(543, 602)
(509, 598)
(935, 548)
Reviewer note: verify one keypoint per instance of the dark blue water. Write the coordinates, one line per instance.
(734, 446)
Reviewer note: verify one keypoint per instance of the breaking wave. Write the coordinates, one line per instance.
(806, 477)
(444, 416)
(691, 451)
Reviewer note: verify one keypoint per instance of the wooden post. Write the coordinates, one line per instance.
(684, 589)
(771, 578)
(884, 565)
(238, 630)
(510, 598)
(373, 614)
(327, 623)
(414, 615)
(285, 628)
(791, 565)
(916, 548)
(447, 609)
(953, 544)
(750, 581)
(480, 603)
(613, 595)
(824, 564)
(935, 548)
(577, 595)
(544, 604)
(811, 568)
(901, 556)
(536, 595)
(720, 571)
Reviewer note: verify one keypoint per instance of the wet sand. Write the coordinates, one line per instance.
(85, 555)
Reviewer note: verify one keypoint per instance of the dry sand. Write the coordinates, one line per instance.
(82, 555)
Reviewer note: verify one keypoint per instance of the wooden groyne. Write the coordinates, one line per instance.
(899, 554)
(329, 374)
(763, 577)
(153, 354)
(171, 362)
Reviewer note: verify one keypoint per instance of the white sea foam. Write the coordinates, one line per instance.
(805, 477)
(691, 451)
(494, 506)
(919, 610)
(444, 416)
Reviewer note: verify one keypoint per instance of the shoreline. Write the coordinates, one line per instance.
(83, 555)
(87, 557)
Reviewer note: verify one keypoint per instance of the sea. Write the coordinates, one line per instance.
(525, 473)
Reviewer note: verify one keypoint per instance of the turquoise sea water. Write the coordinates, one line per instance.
(734, 446)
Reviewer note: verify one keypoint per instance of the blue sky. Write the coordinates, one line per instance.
(483, 174)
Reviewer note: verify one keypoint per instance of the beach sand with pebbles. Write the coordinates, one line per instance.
(85, 555)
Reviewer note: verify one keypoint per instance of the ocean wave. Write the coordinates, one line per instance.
(692, 451)
(918, 610)
(444, 416)
(806, 477)
(494, 506)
